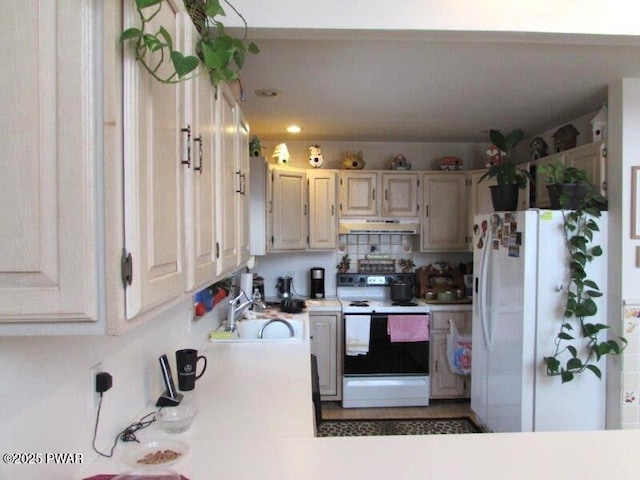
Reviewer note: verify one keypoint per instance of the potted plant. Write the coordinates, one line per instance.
(407, 265)
(508, 176)
(345, 264)
(567, 186)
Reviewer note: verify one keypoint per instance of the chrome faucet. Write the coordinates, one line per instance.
(235, 309)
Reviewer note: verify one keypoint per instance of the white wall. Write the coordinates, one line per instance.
(45, 387)
(462, 15)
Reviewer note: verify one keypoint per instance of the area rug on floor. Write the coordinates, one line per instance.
(414, 426)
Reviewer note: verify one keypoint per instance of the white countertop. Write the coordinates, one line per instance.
(255, 421)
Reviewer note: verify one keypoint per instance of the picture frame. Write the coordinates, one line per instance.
(635, 202)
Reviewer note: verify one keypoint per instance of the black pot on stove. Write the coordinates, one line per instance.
(401, 291)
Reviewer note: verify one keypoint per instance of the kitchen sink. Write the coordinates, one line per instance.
(273, 330)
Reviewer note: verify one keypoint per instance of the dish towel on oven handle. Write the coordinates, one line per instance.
(357, 333)
(408, 328)
(458, 350)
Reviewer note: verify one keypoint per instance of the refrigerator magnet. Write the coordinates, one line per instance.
(514, 251)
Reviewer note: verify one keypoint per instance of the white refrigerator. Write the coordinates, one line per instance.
(519, 265)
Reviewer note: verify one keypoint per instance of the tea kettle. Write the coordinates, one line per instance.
(284, 287)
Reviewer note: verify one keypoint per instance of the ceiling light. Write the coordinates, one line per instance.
(294, 129)
(267, 93)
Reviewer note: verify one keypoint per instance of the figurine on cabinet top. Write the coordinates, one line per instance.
(400, 163)
(315, 156)
(353, 161)
(538, 148)
(565, 138)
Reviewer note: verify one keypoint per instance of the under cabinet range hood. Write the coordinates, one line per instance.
(409, 226)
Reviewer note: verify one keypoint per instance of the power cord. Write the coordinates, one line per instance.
(103, 383)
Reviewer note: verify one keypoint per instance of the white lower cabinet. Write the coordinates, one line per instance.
(445, 383)
(326, 339)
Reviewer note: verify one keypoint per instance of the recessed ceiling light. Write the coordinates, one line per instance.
(267, 93)
(294, 129)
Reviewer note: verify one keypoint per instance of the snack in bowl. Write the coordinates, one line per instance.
(159, 456)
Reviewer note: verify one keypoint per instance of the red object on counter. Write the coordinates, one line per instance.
(220, 295)
(199, 309)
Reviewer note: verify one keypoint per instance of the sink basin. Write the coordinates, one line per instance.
(273, 330)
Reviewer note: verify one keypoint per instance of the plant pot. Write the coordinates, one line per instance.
(504, 197)
(573, 194)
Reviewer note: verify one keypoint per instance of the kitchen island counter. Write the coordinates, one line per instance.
(255, 420)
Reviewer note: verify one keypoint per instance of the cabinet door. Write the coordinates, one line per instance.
(200, 216)
(289, 209)
(229, 182)
(358, 194)
(242, 153)
(400, 194)
(479, 201)
(322, 209)
(48, 188)
(589, 158)
(444, 383)
(444, 221)
(153, 193)
(324, 342)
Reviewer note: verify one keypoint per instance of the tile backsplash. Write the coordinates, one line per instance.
(358, 246)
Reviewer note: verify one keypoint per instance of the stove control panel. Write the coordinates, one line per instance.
(372, 280)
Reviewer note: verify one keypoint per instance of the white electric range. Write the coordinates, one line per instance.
(378, 372)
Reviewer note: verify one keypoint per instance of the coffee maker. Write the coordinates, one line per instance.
(317, 282)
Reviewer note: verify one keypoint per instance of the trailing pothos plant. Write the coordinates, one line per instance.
(581, 293)
(220, 54)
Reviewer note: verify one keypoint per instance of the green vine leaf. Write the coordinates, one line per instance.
(572, 350)
(596, 251)
(147, 3)
(596, 371)
(566, 376)
(182, 64)
(574, 364)
(167, 38)
(565, 336)
(130, 34)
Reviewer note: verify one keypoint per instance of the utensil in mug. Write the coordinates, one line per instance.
(187, 362)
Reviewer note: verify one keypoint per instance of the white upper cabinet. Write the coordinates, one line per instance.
(242, 199)
(229, 182)
(49, 194)
(155, 147)
(365, 194)
(399, 194)
(591, 158)
(323, 218)
(289, 218)
(200, 179)
(444, 207)
(358, 192)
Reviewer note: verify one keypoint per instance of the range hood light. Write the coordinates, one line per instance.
(379, 225)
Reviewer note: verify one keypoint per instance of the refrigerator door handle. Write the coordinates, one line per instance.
(484, 273)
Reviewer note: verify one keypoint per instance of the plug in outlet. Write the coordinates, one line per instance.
(94, 397)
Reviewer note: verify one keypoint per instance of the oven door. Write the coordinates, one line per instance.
(385, 357)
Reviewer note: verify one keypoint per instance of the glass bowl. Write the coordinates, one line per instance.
(164, 474)
(176, 419)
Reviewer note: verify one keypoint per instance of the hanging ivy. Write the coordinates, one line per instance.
(220, 55)
(581, 294)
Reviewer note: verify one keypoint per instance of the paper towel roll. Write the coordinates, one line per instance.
(246, 283)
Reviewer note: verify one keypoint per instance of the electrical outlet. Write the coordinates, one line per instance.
(94, 397)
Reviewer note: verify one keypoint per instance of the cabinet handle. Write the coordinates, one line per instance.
(243, 184)
(386, 195)
(436, 365)
(373, 193)
(304, 210)
(200, 155)
(333, 210)
(187, 130)
(239, 187)
(426, 210)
